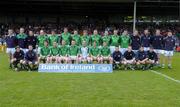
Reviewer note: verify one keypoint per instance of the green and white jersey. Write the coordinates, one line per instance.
(105, 51)
(86, 38)
(106, 38)
(94, 51)
(55, 51)
(115, 40)
(125, 41)
(74, 50)
(97, 39)
(53, 38)
(77, 39)
(84, 51)
(45, 51)
(66, 37)
(41, 39)
(64, 50)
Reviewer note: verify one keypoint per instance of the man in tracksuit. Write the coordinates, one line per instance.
(117, 57)
(30, 59)
(17, 58)
(136, 41)
(129, 59)
(31, 40)
(146, 40)
(21, 39)
(152, 58)
(141, 58)
(169, 44)
(11, 43)
(157, 43)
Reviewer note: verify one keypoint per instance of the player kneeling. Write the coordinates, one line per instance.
(142, 59)
(17, 58)
(117, 58)
(54, 54)
(74, 53)
(44, 53)
(64, 49)
(105, 54)
(30, 62)
(129, 59)
(152, 58)
(94, 54)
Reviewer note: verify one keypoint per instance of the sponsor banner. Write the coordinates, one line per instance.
(76, 68)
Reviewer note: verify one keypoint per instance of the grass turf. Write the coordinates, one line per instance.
(120, 88)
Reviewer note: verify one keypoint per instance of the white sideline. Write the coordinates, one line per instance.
(168, 77)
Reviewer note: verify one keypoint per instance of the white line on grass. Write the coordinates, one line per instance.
(168, 77)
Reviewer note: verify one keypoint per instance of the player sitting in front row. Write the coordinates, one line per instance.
(64, 51)
(152, 58)
(54, 54)
(94, 53)
(84, 52)
(105, 54)
(129, 59)
(30, 59)
(117, 58)
(44, 53)
(141, 59)
(74, 53)
(17, 58)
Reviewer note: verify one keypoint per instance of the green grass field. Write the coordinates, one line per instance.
(117, 89)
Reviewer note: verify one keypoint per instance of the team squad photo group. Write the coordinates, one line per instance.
(124, 51)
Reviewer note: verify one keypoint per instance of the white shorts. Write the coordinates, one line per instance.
(135, 51)
(24, 50)
(73, 57)
(112, 49)
(129, 61)
(159, 51)
(146, 48)
(10, 50)
(123, 50)
(168, 53)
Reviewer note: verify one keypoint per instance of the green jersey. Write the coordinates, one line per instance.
(45, 51)
(94, 51)
(125, 41)
(85, 38)
(41, 39)
(21, 36)
(53, 38)
(97, 39)
(74, 50)
(64, 50)
(115, 40)
(55, 51)
(66, 37)
(77, 39)
(105, 51)
(106, 38)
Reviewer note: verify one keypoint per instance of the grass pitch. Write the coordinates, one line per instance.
(117, 89)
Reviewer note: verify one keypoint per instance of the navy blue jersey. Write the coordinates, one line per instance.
(10, 41)
(146, 41)
(141, 55)
(31, 40)
(117, 56)
(21, 40)
(157, 42)
(19, 55)
(169, 43)
(129, 55)
(31, 56)
(152, 55)
(136, 42)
